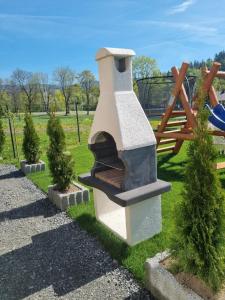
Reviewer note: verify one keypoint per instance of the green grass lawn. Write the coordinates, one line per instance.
(170, 168)
(81, 155)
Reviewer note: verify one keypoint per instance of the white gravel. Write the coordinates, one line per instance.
(45, 255)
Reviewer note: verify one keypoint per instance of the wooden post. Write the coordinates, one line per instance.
(219, 74)
(207, 84)
(78, 124)
(210, 76)
(213, 96)
(11, 135)
(180, 78)
(14, 133)
(184, 100)
(178, 84)
(189, 113)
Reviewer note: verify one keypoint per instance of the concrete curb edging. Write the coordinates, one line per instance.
(32, 168)
(64, 200)
(162, 284)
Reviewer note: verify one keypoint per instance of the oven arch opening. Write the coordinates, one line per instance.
(108, 167)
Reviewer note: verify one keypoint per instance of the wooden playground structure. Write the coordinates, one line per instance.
(187, 117)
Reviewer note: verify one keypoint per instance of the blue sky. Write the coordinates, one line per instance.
(44, 34)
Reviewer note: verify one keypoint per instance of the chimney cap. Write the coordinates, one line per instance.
(119, 52)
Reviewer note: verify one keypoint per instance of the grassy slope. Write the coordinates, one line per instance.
(170, 168)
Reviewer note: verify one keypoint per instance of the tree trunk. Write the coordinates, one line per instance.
(67, 107)
(16, 109)
(29, 105)
(88, 103)
(47, 107)
(15, 106)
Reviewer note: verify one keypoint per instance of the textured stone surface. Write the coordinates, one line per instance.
(119, 112)
(31, 168)
(63, 201)
(163, 284)
(44, 255)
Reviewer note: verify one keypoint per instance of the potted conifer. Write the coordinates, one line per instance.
(198, 256)
(31, 144)
(2, 138)
(64, 191)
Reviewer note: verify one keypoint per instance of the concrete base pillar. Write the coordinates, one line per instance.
(134, 223)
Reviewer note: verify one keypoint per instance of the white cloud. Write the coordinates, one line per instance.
(45, 27)
(195, 28)
(181, 7)
(205, 32)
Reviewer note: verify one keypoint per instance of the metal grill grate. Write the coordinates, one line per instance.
(112, 176)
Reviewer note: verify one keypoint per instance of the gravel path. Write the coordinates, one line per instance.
(44, 255)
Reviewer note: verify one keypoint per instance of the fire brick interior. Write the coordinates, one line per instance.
(108, 166)
(126, 169)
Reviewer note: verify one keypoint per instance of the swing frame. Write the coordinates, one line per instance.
(186, 126)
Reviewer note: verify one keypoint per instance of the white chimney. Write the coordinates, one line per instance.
(119, 112)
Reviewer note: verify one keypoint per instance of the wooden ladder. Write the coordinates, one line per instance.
(176, 126)
(170, 129)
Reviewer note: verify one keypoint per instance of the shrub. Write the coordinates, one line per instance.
(1, 111)
(60, 161)
(199, 217)
(31, 141)
(2, 137)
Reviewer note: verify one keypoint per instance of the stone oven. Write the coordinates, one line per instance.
(127, 193)
(124, 169)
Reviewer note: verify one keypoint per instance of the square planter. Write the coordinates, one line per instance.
(64, 200)
(163, 285)
(32, 168)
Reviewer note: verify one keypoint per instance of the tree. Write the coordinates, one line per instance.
(45, 90)
(2, 136)
(2, 112)
(60, 161)
(219, 84)
(144, 66)
(65, 78)
(1, 85)
(194, 72)
(199, 64)
(200, 216)
(1, 96)
(58, 101)
(87, 81)
(4, 98)
(27, 83)
(220, 57)
(14, 92)
(31, 141)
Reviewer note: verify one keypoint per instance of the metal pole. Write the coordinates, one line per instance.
(10, 129)
(11, 134)
(14, 133)
(77, 118)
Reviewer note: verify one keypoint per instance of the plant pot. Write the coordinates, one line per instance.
(165, 286)
(162, 284)
(32, 168)
(65, 199)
